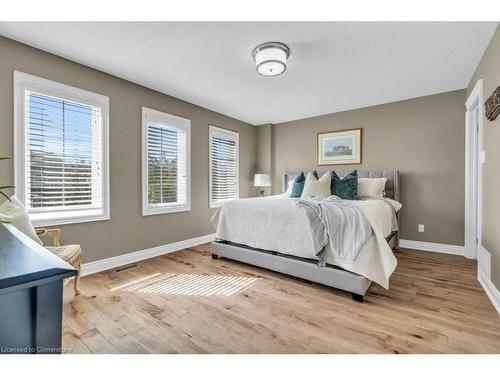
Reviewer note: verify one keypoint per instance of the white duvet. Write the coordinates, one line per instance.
(278, 224)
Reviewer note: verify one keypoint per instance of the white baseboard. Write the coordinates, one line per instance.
(431, 246)
(484, 277)
(136, 256)
(490, 289)
(484, 261)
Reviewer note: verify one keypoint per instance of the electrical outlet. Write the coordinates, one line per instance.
(421, 228)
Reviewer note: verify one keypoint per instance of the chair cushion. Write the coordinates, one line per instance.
(70, 253)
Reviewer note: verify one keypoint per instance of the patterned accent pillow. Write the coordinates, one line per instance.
(298, 184)
(346, 187)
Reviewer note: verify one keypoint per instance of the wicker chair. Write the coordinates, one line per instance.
(71, 254)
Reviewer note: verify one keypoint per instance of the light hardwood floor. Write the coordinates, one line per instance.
(434, 305)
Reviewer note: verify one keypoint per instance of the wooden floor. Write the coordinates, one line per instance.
(185, 302)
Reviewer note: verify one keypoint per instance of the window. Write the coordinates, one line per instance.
(61, 151)
(166, 170)
(223, 166)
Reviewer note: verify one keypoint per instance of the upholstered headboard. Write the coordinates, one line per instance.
(391, 186)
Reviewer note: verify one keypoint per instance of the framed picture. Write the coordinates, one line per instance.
(339, 147)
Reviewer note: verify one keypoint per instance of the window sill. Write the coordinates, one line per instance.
(40, 219)
(151, 210)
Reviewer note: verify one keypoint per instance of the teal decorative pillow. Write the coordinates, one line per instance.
(347, 187)
(298, 184)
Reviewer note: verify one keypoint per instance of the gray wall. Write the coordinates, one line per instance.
(127, 230)
(264, 146)
(423, 138)
(489, 70)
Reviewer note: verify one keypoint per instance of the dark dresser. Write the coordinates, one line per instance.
(31, 287)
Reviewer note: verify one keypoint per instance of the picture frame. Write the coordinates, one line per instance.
(340, 147)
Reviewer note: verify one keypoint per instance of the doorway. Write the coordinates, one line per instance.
(474, 158)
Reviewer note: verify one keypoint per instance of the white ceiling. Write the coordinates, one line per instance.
(333, 66)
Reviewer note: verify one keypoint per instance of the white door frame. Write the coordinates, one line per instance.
(473, 170)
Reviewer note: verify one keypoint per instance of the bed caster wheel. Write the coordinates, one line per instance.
(215, 256)
(357, 297)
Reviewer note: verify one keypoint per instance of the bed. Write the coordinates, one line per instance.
(271, 233)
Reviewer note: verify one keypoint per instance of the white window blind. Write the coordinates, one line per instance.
(60, 174)
(224, 166)
(165, 163)
(63, 154)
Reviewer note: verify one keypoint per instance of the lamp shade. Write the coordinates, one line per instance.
(262, 180)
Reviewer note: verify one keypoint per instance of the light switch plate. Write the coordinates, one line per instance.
(483, 157)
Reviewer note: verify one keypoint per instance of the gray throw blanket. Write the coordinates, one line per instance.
(337, 222)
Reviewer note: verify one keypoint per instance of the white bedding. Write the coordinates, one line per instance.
(278, 224)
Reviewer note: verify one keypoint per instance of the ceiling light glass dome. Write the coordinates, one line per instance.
(270, 58)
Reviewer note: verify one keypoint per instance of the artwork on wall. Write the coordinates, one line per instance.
(492, 105)
(339, 147)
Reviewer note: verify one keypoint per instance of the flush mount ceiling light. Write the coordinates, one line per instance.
(270, 58)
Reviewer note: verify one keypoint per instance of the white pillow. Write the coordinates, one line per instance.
(371, 187)
(288, 192)
(317, 188)
(15, 213)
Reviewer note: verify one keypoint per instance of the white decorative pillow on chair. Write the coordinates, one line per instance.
(371, 187)
(15, 213)
(318, 188)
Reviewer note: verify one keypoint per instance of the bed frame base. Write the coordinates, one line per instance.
(357, 297)
(330, 276)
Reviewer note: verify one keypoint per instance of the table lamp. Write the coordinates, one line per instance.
(261, 181)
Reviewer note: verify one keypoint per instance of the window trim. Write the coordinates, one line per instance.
(23, 82)
(177, 122)
(212, 130)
